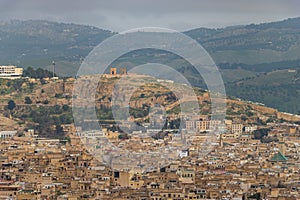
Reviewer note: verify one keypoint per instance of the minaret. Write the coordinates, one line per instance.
(282, 147)
(221, 141)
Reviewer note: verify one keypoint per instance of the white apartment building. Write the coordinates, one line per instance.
(7, 134)
(10, 72)
(250, 128)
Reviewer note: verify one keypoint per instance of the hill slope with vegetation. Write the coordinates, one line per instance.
(243, 53)
(46, 105)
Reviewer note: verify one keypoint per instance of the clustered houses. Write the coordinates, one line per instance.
(238, 167)
(204, 124)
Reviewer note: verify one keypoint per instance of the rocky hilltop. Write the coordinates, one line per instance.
(48, 102)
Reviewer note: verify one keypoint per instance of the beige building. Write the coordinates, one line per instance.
(202, 125)
(237, 128)
(10, 72)
(190, 125)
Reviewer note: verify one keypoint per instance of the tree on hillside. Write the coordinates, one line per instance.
(260, 133)
(28, 100)
(37, 73)
(11, 105)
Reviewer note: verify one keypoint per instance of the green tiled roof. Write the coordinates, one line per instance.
(279, 157)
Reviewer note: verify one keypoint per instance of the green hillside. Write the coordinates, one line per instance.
(278, 89)
(243, 53)
(37, 42)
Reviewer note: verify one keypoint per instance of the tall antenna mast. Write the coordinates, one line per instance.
(53, 63)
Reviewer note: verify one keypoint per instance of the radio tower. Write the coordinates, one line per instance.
(53, 63)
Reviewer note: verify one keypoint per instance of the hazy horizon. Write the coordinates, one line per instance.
(215, 27)
(178, 15)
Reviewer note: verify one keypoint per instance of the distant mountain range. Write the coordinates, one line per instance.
(252, 44)
(246, 54)
(37, 43)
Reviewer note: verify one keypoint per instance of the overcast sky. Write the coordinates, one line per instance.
(121, 15)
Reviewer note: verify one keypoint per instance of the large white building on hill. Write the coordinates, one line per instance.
(7, 134)
(10, 72)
